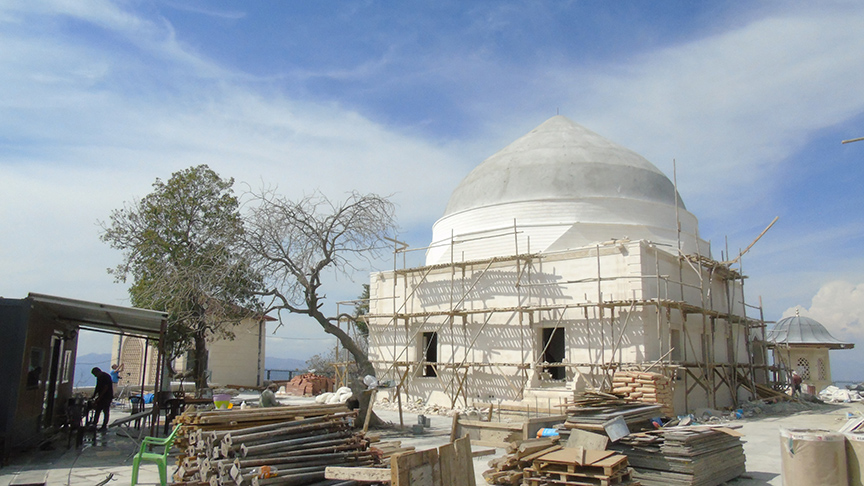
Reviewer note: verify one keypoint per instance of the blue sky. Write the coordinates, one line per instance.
(752, 99)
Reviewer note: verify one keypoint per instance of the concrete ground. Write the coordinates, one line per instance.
(111, 454)
(761, 438)
(108, 458)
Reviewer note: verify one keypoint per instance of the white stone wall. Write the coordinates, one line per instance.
(812, 363)
(231, 362)
(509, 343)
(239, 361)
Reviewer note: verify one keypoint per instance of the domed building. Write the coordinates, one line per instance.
(559, 260)
(801, 344)
(568, 187)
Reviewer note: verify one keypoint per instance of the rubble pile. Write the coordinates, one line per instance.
(833, 394)
(420, 407)
(308, 384)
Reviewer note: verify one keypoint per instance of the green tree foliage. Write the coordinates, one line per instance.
(180, 246)
(361, 308)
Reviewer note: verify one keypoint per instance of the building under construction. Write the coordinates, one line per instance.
(559, 260)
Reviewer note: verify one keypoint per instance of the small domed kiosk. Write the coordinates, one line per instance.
(801, 344)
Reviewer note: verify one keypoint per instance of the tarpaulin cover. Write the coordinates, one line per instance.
(813, 456)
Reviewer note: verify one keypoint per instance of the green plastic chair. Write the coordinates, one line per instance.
(160, 458)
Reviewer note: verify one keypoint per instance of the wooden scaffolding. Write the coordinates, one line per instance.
(697, 372)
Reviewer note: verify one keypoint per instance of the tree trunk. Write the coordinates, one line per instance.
(199, 369)
(363, 365)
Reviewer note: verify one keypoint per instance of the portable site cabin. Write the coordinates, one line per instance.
(40, 335)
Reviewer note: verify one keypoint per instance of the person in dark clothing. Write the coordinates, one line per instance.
(102, 395)
(796, 384)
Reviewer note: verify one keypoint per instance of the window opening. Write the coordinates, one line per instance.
(675, 338)
(804, 368)
(430, 353)
(554, 352)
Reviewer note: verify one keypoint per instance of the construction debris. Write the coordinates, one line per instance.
(448, 465)
(685, 456)
(508, 470)
(833, 394)
(590, 410)
(577, 466)
(308, 384)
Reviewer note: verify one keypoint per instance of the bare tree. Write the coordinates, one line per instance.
(293, 244)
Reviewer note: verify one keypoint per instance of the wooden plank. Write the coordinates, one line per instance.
(482, 452)
(449, 464)
(569, 455)
(588, 440)
(415, 469)
(465, 461)
(454, 428)
(369, 474)
(369, 410)
(726, 430)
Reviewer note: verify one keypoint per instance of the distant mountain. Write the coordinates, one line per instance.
(273, 363)
(85, 363)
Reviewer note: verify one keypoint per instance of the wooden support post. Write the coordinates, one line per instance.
(369, 410)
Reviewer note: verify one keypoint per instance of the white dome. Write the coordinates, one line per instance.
(566, 187)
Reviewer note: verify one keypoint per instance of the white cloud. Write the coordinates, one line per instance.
(839, 306)
(85, 137)
(729, 107)
(87, 126)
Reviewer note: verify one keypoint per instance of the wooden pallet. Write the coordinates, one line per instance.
(535, 478)
(577, 460)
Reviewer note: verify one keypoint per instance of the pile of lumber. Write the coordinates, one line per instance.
(645, 387)
(273, 446)
(685, 456)
(508, 469)
(308, 384)
(590, 410)
(578, 466)
(448, 465)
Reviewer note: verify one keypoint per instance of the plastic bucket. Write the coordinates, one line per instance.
(222, 400)
(813, 456)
